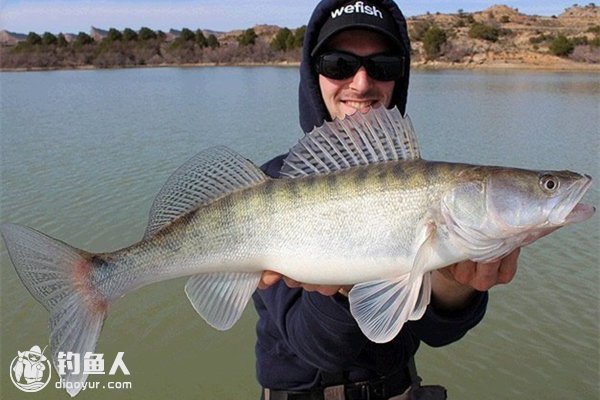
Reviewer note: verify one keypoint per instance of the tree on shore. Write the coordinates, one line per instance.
(299, 36)
(129, 35)
(212, 41)
(201, 39)
(280, 42)
(83, 39)
(286, 40)
(187, 35)
(114, 35)
(49, 39)
(61, 40)
(33, 39)
(247, 38)
(146, 34)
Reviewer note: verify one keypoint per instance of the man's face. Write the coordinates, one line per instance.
(359, 92)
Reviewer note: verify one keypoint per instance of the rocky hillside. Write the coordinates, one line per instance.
(11, 38)
(501, 36)
(498, 37)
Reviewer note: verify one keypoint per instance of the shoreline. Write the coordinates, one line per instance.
(498, 65)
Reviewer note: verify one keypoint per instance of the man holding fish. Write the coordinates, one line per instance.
(356, 56)
(378, 236)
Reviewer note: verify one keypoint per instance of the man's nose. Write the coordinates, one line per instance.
(361, 81)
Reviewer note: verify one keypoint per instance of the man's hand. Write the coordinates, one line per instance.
(452, 287)
(271, 277)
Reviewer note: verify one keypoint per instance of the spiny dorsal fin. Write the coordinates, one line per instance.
(380, 135)
(204, 178)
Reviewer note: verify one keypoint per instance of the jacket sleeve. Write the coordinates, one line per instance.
(439, 328)
(321, 331)
(318, 329)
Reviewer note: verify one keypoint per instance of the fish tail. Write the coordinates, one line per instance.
(60, 278)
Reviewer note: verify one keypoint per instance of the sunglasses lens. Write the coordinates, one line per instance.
(338, 65)
(385, 67)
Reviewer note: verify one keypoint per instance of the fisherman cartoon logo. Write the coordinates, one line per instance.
(30, 370)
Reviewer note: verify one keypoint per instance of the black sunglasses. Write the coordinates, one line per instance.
(341, 65)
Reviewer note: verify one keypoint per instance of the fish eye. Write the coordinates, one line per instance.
(549, 183)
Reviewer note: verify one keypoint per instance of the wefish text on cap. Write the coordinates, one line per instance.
(358, 7)
(359, 15)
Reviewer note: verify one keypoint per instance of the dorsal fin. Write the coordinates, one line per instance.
(204, 178)
(379, 135)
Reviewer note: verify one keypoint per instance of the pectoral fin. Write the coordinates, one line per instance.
(220, 298)
(382, 307)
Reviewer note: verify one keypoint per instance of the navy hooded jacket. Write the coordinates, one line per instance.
(301, 334)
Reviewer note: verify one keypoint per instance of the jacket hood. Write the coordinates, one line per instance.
(312, 108)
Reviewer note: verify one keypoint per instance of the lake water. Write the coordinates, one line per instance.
(84, 152)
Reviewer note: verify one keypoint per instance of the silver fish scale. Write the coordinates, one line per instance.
(341, 219)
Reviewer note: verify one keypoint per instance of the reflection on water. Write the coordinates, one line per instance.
(84, 152)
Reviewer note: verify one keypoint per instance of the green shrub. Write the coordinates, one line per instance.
(83, 39)
(201, 39)
(114, 35)
(485, 32)
(212, 41)
(49, 39)
(129, 35)
(561, 46)
(433, 40)
(247, 38)
(299, 36)
(280, 41)
(187, 35)
(33, 39)
(61, 41)
(540, 38)
(147, 34)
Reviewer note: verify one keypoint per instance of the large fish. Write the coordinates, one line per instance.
(357, 206)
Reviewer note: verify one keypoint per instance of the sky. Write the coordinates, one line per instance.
(72, 16)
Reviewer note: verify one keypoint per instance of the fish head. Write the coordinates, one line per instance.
(492, 210)
(521, 200)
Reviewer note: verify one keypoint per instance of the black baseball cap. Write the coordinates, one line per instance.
(359, 15)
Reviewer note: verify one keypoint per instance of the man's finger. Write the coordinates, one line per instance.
(508, 267)
(268, 278)
(291, 283)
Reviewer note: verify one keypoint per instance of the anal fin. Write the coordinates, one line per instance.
(382, 307)
(220, 298)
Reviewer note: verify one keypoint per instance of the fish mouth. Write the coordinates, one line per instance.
(577, 212)
(580, 213)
